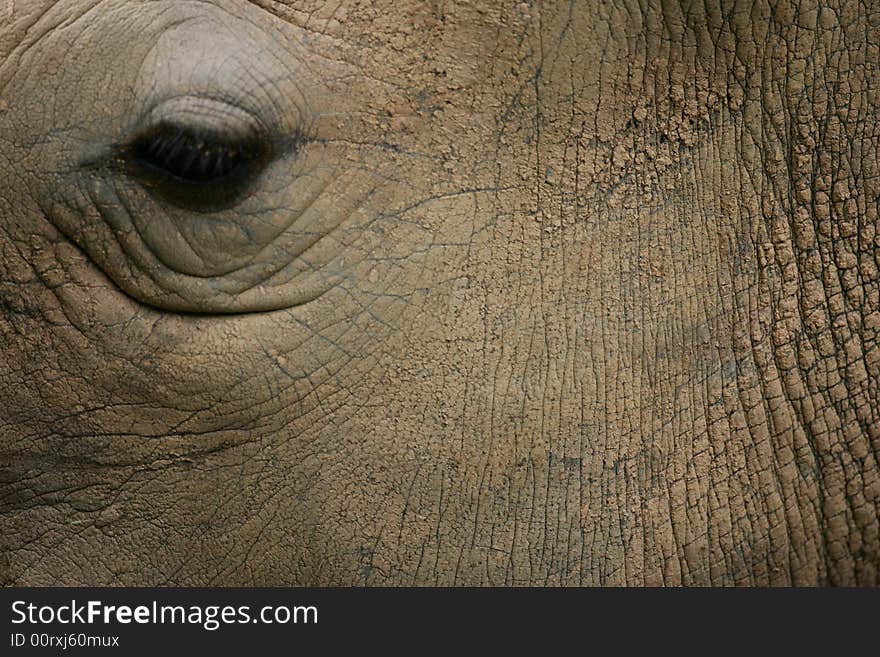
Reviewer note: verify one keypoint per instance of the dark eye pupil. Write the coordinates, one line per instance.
(193, 157)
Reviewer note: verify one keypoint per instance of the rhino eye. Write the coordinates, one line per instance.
(194, 158)
(194, 168)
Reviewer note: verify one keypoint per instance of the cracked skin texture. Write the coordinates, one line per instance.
(602, 308)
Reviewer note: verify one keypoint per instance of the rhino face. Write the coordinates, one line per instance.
(406, 293)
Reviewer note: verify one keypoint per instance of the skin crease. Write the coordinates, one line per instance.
(594, 298)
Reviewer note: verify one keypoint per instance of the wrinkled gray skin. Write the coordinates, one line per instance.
(538, 293)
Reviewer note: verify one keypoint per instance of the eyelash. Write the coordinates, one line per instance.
(192, 157)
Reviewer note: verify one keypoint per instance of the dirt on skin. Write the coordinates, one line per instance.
(607, 313)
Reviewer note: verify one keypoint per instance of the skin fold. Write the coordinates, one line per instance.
(539, 293)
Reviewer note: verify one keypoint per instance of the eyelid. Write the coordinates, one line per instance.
(210, 114)
(228, 122)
